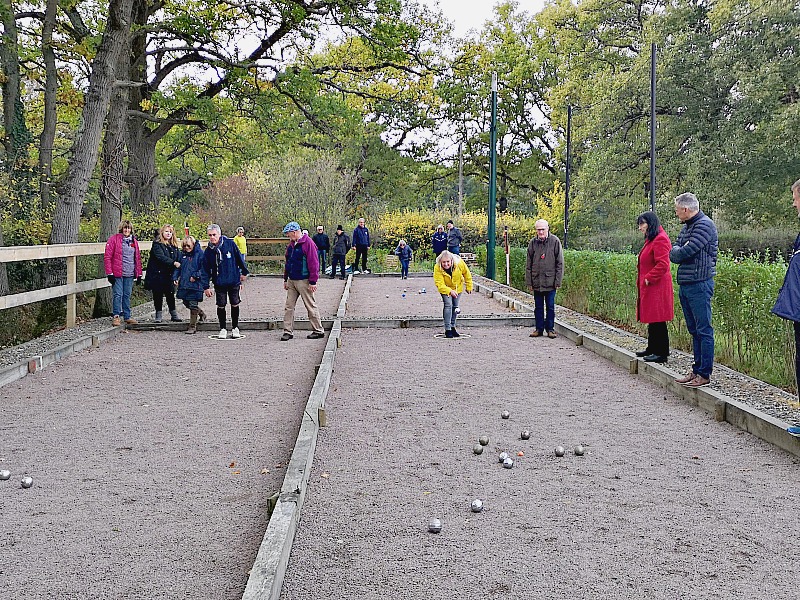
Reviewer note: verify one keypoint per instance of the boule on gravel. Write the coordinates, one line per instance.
(560, 451)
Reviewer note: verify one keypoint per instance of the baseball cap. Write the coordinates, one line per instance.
(293, 226)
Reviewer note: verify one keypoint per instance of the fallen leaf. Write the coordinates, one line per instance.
(233, 464)
(265, 471)
(278, 466)
(695, 458)
(237, 472)
(325, 475)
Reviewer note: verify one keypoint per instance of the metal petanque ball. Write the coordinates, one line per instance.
(525, 435)
(5, 475)
(484, 441)
(502, 457)
(477, 449)
(508, 463)
(505, 414)
(457, 310)
(27, 482)
(560, 451)
(579, 450)
(435, 526)
(477, 505)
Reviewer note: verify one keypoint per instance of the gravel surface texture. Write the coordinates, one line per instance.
(152, 458)
(666, 502)
(755, 393)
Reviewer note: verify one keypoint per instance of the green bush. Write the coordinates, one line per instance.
(748, 337)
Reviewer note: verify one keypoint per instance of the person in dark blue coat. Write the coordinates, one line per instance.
(192, 280)
(227, 270)
(361, 242)
(405, 254)
(439, 241)
(788, 304)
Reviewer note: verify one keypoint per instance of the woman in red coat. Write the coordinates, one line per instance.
(656, 304)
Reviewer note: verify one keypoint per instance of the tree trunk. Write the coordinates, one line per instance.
(111, 184)
(86, 147)
(17, 137)
(142, 177)
(3, 273)
(47, 139)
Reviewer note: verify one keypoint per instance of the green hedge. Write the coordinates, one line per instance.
(748, 337)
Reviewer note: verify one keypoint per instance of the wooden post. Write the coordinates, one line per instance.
(72, 279)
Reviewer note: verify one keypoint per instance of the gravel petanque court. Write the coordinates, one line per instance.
(153, 458)
(666, 502)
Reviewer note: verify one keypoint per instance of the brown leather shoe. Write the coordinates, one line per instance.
(116, 321)
(686, 379)
(131, 321)
(552, 335)
(535, 333)
(698, 381)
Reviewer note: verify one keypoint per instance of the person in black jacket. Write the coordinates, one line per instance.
(787, 305)
(341, 246)
(323, 243)
(164, 259)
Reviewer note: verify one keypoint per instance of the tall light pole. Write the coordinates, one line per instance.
(569, 170)
(653, 127)
(490, 230)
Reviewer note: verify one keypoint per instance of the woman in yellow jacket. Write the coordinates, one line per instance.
(452, 278)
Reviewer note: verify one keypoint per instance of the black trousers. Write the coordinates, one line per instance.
(158, 300)
(361, 252)
(658, 339)
(797, 355)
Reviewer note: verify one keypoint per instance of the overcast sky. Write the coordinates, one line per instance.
(472, 14)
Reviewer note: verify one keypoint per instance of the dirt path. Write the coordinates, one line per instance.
(153, 458)
(666, 503)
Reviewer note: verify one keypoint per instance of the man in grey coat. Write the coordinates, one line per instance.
(695, 253)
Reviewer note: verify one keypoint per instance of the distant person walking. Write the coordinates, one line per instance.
(300, 281)
(362, 243)
(341, 246)
(404, 254)
(656, 301)
(544, 272)
(241, 242)
(123, 264)
(439, 241)
(454, 238)
(452, 278)
(227, 269)
(695, 253)
(191, 278)
(164, 259)
(788, 304)
(323, 244)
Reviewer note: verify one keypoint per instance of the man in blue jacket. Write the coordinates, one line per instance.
(227, 270)
(695, 253)
(788, 304)
(362, 244)
(300, 277)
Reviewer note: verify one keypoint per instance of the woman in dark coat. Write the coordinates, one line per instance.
(192, 280)
(164, 259)
(656, 304)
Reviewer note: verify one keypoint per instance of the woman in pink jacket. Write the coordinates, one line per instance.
(123, 264)
(656, 304)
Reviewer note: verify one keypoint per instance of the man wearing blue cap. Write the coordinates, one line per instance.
(300, 280)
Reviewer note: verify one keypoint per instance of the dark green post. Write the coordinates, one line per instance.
(490, 230)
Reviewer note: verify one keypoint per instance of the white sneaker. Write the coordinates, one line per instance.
(223, 334)
(356, 272)
(235, 333)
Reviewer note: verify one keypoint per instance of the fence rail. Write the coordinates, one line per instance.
(70, 252)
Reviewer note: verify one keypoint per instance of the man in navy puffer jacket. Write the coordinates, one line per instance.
(227, 270)
(695, 253)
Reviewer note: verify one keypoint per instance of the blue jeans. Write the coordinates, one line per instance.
(696, 304)
(449, 313)
(323, 260)
(122, 288)
(404, 267)
(545, 319)
(454, 250)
